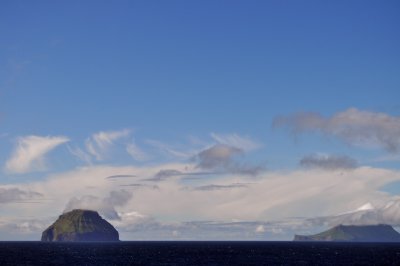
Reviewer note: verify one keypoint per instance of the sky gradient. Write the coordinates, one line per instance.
(200, 120)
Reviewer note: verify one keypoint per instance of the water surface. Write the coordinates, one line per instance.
(199, 253)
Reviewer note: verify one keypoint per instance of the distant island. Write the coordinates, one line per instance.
(78, 226)
(355, 233)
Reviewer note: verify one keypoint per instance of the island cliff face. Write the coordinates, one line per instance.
(356, 233)
(80, 225)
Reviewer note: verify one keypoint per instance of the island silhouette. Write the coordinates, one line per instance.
(80, 226)
(354, 233)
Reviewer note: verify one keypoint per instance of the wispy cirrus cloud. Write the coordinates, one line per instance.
(328, 162)
(100, 142)
(237, 141)
(135, 152)
(29, 153)
(196, 146)
(80, 154)
(98, 146)
(169, 150)
(353, 126)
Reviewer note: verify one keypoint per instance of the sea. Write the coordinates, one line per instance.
(199, 253)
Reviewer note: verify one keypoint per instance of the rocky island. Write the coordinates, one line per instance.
(355, 233)
(79, 226)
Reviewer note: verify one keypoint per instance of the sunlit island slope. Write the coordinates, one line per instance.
(355, 233)
(80, 226)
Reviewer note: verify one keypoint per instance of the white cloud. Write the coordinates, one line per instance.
(260, 229)
(167, 149)
(105, 206)
(196, 146)
(133, 150)
(387, 212)
(234, 140)
(29, 154)
(99, 144)
(237, 210)
(353, 126)
(82, 155)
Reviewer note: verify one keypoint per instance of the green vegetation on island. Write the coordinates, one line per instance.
(80, 225)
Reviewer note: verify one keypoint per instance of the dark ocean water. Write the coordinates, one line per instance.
(199, 253)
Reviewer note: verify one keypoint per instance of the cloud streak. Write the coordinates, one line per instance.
(12, 195)
(328, 162)
(168, 150)
(213, 187)
(165, 174)
(135, 152)
(353, 126)
(234, 140)
(97, 147)
(119, 176)
(30, 151)
(99, 144)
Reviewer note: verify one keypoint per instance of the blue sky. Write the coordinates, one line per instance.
(215, 88)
